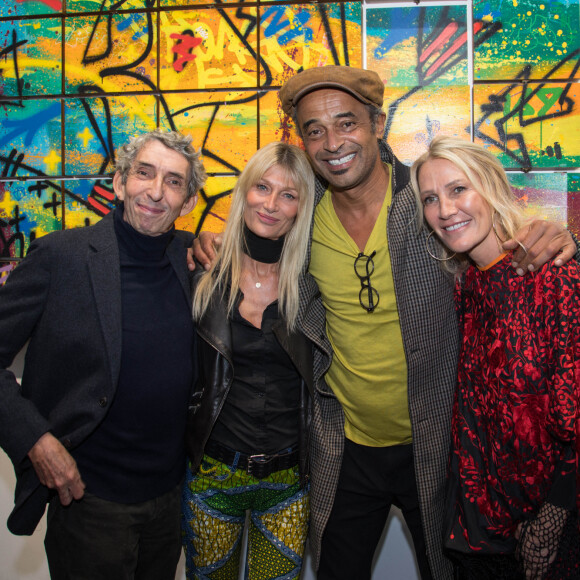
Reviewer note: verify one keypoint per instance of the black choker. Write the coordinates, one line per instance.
(262, 249)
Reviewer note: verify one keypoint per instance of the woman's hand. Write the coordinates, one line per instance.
(539, 539)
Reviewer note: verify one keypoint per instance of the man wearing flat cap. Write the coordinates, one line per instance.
(385, 416)
(381, 420)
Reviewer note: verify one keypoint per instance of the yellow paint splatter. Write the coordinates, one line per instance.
(52, 161)
(85, 136)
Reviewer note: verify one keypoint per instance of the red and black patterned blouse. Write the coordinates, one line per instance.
(514, 423)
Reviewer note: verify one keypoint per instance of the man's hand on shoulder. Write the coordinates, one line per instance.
(539, 242)
(56, 468)
(204, 249)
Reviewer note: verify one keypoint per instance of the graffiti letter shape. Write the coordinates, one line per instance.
(186, 42)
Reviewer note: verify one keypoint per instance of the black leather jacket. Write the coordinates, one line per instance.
(215, 374)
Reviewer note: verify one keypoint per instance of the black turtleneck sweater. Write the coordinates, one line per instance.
(137, 452)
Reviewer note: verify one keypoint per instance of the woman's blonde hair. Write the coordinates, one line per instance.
(488, 178)
(227, 267)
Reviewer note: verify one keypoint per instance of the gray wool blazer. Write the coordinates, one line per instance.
(430, 337)
(64, 299)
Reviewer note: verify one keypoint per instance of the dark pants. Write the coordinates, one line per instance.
(371, 480)
(95, 539)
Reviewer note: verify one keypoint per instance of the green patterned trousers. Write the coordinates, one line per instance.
(215, 503)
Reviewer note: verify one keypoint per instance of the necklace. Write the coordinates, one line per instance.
(262, 250)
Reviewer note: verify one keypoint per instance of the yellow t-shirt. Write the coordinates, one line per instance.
(368, 373)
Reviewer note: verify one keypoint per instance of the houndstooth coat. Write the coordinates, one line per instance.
(430, 338)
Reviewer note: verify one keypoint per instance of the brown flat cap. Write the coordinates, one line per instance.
(364, 85)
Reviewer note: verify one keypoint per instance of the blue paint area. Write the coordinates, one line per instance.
(124, 24)
(298, 30)
(277, 24)
(484, 10)
(30, 125)
(403, 25)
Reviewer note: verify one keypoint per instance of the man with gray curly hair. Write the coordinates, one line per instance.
(96, 429)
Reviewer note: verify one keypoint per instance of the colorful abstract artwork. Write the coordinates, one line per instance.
(78, 78)
(421, 55)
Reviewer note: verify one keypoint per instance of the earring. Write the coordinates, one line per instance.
(433, 255)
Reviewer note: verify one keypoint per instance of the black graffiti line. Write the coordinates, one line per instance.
(107, 52)
(326, 24)
(117, 5)
(525, 75)
(24, 166)
(107, 144)
(210, 203)
(11, 161)
(504, 137)
(459, 55)
(253, 21)
(148, 83)
(344, 34)
(496, 105)
(216, 107)
(257, 58)
(562, 100)
(105, 72)
(13, 48)
(90, 59)
(394, 106)
(55, 185)
(11, 241)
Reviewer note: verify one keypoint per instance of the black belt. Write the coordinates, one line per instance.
(259, 465)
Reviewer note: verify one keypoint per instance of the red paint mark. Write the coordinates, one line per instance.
(54, 4)
(445, 35)
(461, 40)
(106, 194)
(185, 43)
(99, 206)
